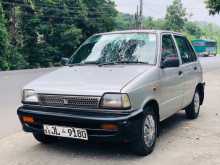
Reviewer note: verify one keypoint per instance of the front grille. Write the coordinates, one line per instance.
(69, 101)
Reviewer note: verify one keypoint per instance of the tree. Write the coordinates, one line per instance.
(150, 23)
(124, 21)
(53, 28)
(40, 32)
(193, 30)
(15, 59)
(4, 42)
(176, 16)
(101, 16)
(213, 6)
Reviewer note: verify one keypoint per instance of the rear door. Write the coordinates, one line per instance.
(171, 80)
(189, 68)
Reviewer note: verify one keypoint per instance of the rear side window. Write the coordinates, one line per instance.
(186, 51)
(168, 47)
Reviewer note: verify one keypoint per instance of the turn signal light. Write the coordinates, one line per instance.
(111, 127)
(28, 119)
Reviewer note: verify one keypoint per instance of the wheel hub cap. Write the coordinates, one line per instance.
(149, 130)
(196, 102)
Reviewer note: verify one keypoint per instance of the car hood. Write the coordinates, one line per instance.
(87, 80)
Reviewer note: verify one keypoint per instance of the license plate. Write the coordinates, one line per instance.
(68, 132)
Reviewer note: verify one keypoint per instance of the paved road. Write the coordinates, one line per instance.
(11, 84)
(182, 141)
(210, 63)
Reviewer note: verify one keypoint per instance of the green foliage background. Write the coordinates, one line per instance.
(213, 6)
(38, 33)
(4, 42)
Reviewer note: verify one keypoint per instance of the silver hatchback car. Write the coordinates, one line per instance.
(117, 86)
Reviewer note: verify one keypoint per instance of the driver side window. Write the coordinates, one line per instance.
(168, 48)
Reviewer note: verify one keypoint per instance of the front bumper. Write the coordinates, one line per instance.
(91, 121)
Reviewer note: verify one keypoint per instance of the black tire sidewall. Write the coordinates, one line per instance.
(190, 111)
(139, 145)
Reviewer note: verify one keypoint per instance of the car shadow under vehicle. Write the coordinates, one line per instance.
(107, 150)
(172, 123)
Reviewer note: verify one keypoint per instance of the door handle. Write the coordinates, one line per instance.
(195, 68)
(180, 73)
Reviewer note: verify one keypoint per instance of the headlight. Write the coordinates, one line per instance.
(115, 101)
(29, 96)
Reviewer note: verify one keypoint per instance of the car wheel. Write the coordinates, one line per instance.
(44, 138)
(147, 134)
(192, 111)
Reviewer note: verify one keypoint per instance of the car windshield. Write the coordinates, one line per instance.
(117, 48)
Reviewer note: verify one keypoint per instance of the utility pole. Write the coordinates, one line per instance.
(141, 14)
(136, 17)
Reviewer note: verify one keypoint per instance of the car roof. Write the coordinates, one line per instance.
(140, 31)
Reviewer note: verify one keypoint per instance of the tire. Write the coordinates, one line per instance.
(141, 146)
(44, 138)
(192, 111)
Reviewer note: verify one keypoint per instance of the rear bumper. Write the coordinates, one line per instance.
(127, 123)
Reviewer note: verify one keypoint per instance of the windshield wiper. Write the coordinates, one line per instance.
(91, 62)
(131, 62)
(77, 64)
(85, 63)
(107, 63)
(122, 62)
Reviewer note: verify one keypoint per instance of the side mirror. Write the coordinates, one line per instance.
(170, 62)
(64, 61)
